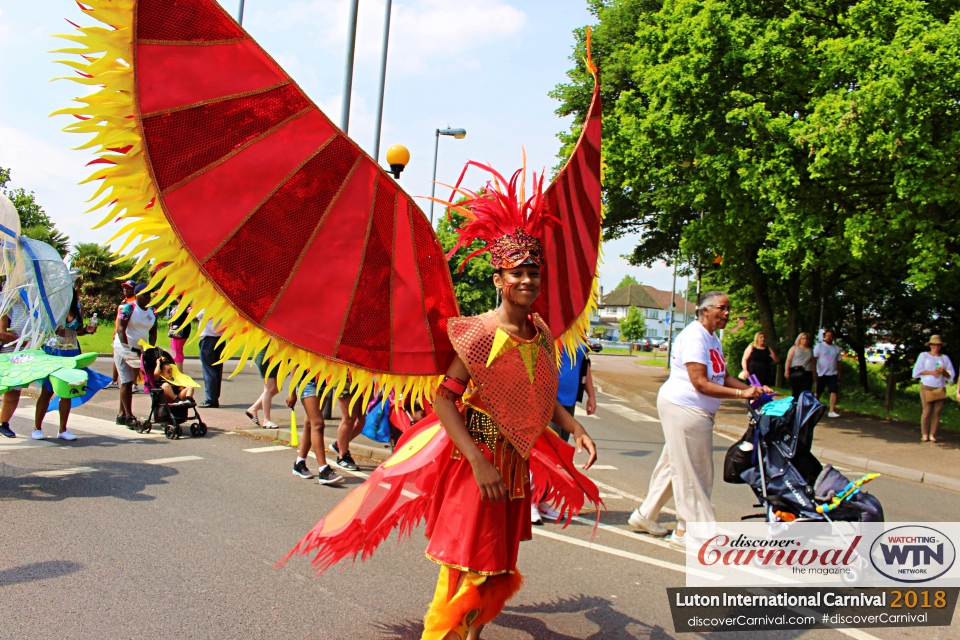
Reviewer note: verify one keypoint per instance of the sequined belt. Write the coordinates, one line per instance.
(512, 466)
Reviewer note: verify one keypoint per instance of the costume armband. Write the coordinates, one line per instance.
(451, 388)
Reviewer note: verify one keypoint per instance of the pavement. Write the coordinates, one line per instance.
(120, 534)
(883, 446)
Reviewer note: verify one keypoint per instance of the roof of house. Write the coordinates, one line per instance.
(644, 297)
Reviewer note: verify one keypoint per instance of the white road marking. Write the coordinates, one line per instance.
(176, 459)
(627, 412)
(22, 442)
(663, 564)
(603, 467)
(579, 412)
(608, 496)
(624, 494)
(723, 435)
(659, 542)
(59, 473)
(276, 447)
(95, 426)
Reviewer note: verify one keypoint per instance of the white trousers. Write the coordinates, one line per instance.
(685, 468)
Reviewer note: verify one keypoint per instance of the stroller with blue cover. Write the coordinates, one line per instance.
(774, 457)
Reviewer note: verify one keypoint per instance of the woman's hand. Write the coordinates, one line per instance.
(491, 484)
(583, 441)
(292, 400)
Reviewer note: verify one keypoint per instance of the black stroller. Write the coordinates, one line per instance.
(774, 458)
(170, 415)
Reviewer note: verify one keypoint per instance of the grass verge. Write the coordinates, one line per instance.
(102, 340)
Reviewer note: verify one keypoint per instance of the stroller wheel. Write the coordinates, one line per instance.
(178, 431)
(147, 427)
(852, 576)
(169, 432)
(201, 429)
(193, 430)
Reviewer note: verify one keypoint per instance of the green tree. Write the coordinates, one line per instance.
(627, 279)
(633, 326)
(811, 144)
(473, 286)
(98, 278)
(34, 221)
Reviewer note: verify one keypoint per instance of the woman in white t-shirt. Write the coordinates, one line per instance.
(935, 370)
(687, 403)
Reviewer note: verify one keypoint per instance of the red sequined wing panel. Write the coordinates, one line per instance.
(571, 251)
(304, 234)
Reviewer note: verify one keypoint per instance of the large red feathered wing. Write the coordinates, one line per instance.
(295, 226)
(571, 251)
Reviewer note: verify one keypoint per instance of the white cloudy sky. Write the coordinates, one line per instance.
(484, 65)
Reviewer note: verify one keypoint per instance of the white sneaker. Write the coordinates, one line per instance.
(66, 435)
(637, 521)
(548, 512)
(678, 542)
(37, 434)
(833, 414)
(535, 514)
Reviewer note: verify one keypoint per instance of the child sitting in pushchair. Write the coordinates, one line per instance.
(165, 375)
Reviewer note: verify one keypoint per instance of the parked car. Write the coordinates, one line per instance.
(645, 344)
(595, 346)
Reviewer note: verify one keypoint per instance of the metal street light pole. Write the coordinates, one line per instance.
(348, 68)
(458, 134)
(673, 311)
(240, 14)
(383, 80)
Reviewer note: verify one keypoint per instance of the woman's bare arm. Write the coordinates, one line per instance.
(746, 358)
(488, 479)
(700, 382)
(569, 424)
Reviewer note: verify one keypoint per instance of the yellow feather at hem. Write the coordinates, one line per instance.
(130, 198)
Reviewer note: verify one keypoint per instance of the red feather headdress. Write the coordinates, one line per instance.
(510, 224)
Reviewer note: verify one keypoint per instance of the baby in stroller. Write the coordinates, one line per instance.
(171, 395)
(774, 457)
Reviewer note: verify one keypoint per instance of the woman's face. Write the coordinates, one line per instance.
(520, 285)
(762, 340)
(716, 314)
(935, 349)
(805, 341)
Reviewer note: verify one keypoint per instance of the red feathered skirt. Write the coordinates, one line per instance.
(475, 535)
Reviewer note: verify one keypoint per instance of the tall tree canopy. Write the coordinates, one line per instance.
(34, 221)
(812, 144)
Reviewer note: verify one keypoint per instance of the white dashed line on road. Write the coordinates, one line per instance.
(168, 460)
(276, 447)
(624, 494)
(627, 412)
(22, 442)
(60, 473)
(579, 412)
(603, 467)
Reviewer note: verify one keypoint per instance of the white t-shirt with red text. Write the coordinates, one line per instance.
(694, 344)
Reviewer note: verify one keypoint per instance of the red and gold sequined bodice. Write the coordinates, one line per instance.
(516, 379)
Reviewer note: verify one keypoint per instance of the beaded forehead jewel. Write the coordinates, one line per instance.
(510, 224)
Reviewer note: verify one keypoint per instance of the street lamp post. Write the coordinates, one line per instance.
(348, 68)
(383, 80)
(458, 134)
(240, 14)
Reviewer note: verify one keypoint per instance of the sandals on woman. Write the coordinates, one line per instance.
(253, 418)
(270, 424)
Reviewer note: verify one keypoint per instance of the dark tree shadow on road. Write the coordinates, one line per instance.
(37, 571)
(123, 480)
(527, 618)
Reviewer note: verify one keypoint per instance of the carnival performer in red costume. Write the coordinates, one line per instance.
(218, 167)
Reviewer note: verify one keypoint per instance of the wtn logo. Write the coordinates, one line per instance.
(900, 554)
(912, 553)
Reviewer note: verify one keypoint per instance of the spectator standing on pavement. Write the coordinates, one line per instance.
(829, 371)
(574, 377)
(758, 359)
(136, 322)
(211, 351)
(312, 438)
(269, 376)
(351, 424)
(179, 333)
(129, 297)
(935, 371)
(687, 404)
(800, 365)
